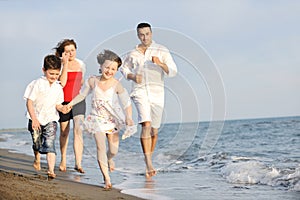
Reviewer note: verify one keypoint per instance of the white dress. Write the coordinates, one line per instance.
(106, 114)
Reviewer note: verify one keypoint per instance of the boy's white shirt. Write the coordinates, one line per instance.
(45, 98)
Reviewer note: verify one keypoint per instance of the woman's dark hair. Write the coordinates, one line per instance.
(60, 48)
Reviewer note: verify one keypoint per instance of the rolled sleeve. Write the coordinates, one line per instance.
(168, 60)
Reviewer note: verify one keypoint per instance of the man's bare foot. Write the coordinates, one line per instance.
(37, 165)
(62, 167)
(79, 169)
(150, 173)
(111, 165)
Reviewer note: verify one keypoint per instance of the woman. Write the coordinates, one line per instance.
(71, 78)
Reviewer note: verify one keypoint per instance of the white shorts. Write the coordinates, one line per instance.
(148, 111)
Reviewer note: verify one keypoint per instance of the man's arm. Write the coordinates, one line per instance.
(167, 59)
(164, 67)
(126, 70)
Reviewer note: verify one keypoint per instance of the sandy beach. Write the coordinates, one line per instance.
(19, 180)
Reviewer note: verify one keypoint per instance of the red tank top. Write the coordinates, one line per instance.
(72, 86)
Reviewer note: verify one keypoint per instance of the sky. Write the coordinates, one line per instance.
(235, 59)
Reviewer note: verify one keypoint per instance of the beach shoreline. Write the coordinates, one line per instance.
(19, 180)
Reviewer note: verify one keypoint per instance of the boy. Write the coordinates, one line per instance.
(43, 98)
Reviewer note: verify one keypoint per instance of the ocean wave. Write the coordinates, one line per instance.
(256, 172)
(5, 136)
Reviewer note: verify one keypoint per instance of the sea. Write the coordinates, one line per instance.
(236, 159)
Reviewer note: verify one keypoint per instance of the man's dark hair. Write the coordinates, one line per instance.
(143, 25)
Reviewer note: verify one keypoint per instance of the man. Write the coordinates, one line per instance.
(146, 66)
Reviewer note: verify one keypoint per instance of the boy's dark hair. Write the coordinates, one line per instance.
(60, 48)
(108, 55)
(52, 62)
(143, 25)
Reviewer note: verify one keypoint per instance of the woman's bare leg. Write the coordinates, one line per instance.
(63, 141)
(78, 141)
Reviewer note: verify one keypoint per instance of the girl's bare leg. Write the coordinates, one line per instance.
(100, 139)
(113, 147)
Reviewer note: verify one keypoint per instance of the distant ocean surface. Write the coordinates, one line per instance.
(252, 159)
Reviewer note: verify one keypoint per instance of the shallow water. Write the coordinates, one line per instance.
(252, 159)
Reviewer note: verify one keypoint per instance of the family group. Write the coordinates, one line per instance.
(58, 97)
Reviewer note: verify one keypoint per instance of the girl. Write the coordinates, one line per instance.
(105, 119)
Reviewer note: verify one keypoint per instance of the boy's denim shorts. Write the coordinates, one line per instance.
(44, 140)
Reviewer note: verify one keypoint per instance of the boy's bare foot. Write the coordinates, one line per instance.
(37, 165)
(111, 165)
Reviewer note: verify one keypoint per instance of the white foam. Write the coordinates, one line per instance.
(292, 180)
(296, 187)
(5, 136)
(255, 172)
(22, 143)
(238, 158)
(145, 193)
(249, 172)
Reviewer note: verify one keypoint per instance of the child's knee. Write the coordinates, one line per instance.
(113, 151)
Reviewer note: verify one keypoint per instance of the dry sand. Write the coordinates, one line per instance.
(19, 180)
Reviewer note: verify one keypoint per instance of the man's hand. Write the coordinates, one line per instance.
(156, 60)
(138, 78)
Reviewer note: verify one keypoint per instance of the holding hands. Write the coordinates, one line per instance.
(66, 108)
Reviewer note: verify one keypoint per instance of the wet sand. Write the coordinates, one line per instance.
(19, 180)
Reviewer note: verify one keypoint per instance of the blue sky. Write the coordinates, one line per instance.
(251, 47)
